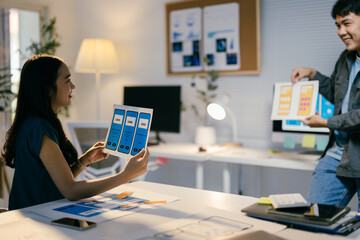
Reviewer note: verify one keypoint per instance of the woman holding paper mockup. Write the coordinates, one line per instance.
(46, 163)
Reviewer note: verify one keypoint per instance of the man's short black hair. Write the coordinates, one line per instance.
(343, 8)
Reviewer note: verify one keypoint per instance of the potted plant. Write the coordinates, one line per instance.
(206, 94)
(205, 135)
(49, 39)
(6, 98)
(6, 95)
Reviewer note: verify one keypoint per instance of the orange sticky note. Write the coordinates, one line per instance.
(123, 194)
(154, 202)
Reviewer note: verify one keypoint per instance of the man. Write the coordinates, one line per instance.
(337, 176)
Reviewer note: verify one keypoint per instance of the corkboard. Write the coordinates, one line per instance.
(249, 31)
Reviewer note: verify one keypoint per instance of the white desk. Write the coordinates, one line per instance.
(228, 156)
(262, 158)
(186, 152)
(190, 201)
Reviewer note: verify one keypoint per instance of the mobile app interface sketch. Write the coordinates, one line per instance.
(128, 133)
(141, 133)
(128, 130)
(285, 100)
(306, 93)
(115, 129)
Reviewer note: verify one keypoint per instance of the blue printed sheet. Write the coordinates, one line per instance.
(129, 130)
(105, 206)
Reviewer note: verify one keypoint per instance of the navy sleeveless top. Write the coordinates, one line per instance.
(32, 183)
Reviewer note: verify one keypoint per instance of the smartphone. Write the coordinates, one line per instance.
(74, 223)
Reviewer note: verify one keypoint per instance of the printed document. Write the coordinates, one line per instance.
(294, 101)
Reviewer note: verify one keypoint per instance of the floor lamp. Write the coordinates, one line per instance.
(96, 56)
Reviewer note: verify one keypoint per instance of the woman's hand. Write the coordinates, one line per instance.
(137, 165)
(94, 154)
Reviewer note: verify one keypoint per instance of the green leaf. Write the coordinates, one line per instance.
(6, 95)
(195, 109)
(201, 92)
(212, 87)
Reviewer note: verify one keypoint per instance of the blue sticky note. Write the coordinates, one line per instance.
(321, 143)
(289, 142)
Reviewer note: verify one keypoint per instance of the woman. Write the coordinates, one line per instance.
(46, 163)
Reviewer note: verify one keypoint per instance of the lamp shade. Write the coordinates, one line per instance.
(216, 111)
(96, 56)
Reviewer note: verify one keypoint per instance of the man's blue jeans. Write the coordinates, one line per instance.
(327, 188)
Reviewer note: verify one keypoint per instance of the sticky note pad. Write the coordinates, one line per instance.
(308, 141)
(264, 201)
(123, 195)
(321, 143)
(289, 142)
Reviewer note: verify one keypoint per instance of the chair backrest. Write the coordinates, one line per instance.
(4, 181)
(3, 210)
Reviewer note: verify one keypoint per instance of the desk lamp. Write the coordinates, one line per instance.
(218, 110)
(96, 56)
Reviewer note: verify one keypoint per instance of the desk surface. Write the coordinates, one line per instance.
(228, 156)
(190, 201)
(184, 151)
(256, 157)
(247, 156)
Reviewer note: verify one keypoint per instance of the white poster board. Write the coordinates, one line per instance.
(296, 101)
(221, 37)
(185, 36)
(128, 132)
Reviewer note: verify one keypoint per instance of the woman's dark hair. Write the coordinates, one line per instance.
(343, 8)
(37, 87)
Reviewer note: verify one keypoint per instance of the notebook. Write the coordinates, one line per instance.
(341, 221)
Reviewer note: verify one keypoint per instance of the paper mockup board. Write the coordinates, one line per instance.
(294, 101)
(128, 132)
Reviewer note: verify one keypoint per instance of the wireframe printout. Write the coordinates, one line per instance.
(128, 132)
(294, 101)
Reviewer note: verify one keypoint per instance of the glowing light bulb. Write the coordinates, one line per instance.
(216, 111)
